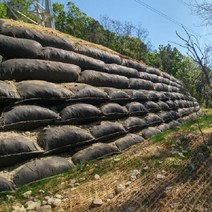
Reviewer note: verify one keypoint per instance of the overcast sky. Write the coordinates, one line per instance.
(161, 30)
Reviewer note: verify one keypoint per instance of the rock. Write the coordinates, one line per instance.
(60, 210)
(117, 159)
(146, 168)
(133, 178)
(17, 208)
(44, 202)
(128, 183)
(47, 197)
(96, 177)
(160, 176)
(82, 179)
(58, 196)
(136, 172)
(56, 202)
(33, 205)
(27, 194)
(10, 197)
(50, 201)
(46, 208)
(119, 188)
(181, 154)
(41, 191)
(96, 203)
(72, 183)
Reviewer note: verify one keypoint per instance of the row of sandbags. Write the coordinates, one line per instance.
(35, 90)
(59, 44)
(57, 72)
(18, 146)
(44, 167)
(29, 117)
(23, 48)
(39, 39)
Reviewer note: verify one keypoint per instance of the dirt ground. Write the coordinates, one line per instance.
(167, 184)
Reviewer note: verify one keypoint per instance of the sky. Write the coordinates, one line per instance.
(161, 31)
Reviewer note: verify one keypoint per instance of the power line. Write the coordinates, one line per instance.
(166, 16)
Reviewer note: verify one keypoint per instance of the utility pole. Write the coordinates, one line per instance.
(42, 11)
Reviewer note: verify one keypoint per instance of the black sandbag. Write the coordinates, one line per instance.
(140, 84)
(164, 96)
(64, 56)
(152, 70)
(8, 92)
(166, 116)
(173, 89)
(178, 103)
(165, 75)
(140, 96)
(128, 141)
(63, 138)
(42, 90)
(134, 64)
(145, 76)
(161, 87)
(153, 96)
(163, 127)
(107, 131)
(19, 48)
(173, 124)
(117, 95)
(149, 132)
(25, 117)
(87, 93)
(133, 124)
(98, 54)
(113, 110)
(153, 119)
(29, 69)
(154, 78)
(151, 106)
(136, 109)
(171, 104)
(163, 106)
(15, 148)
(45, 39)
(6, 185)
(41, 168)
(96, 151)
(163, 80)
(80, 113)
(100, 79)
(121, 70)
(1, 59)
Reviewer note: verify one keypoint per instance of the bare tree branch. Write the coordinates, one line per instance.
(191, 43)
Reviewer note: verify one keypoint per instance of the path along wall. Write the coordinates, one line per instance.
(62, 103)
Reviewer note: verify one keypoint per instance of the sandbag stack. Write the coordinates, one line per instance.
(63, 103)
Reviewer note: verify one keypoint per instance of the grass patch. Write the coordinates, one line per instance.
(172, 142)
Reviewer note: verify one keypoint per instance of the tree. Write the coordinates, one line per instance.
(203, 9)
(170, 59)
(3, 11)
(60, 16)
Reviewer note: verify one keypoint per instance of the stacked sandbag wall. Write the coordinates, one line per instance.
(63, 103)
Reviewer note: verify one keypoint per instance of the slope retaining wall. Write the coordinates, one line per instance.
(60, 97)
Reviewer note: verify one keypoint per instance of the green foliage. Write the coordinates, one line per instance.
(119, 39)
(3, 11)
(170, 59)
